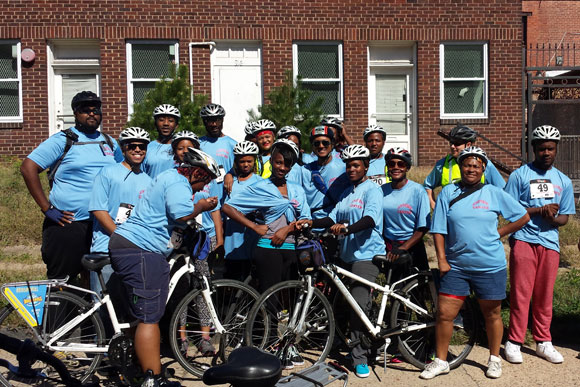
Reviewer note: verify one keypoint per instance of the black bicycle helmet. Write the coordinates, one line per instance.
(462, 133)
(85, 98)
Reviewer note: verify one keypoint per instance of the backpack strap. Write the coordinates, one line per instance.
(466, 193)
(71, 138)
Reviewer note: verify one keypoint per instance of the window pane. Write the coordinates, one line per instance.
(393, 123)
(9, 99)
(8, 65)
(463, 97)
(328, 91)
(152, 60)
(463, 61)
(316, 61)
(139, 90)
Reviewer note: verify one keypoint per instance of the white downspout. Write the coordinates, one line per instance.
(211, 44)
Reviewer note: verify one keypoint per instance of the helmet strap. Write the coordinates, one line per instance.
(165, 139)
(135, 167)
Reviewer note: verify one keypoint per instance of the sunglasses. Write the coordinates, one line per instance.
(134, 146)
(457, 143)
(89, 110)
(396, 164)
(324, 143)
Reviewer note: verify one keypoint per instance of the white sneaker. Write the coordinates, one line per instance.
(493, 367)
(548, 352)
(436, 367)
(512, 353)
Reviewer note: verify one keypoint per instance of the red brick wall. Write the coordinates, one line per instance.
(276, 25)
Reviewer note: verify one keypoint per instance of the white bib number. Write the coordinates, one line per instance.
(220, 179)
(176, 239)
(541, 188)
(123, 213)
(378, 179)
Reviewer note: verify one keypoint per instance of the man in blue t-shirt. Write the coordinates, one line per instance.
(159, 154)
(75, 157)
(548, 197)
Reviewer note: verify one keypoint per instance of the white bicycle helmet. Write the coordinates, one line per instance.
(262, 125)
(472, 151)
(134, 134)
(166, 110)
(184, 135)
(281, 142)
(546, 133)
(246, 148)
(196, 158)
(399, 153)
(249, 129)
(374, 128)
(332, 121)
(352, 152)
(289, 130)
(212, 110)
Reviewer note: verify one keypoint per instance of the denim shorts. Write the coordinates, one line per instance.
(486, 285)
(146, 278)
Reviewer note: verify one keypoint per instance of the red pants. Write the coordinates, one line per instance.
(533, 270)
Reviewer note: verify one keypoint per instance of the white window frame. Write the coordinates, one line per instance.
(340, 78)
(130, 79)
(485, 80)
(19, 117)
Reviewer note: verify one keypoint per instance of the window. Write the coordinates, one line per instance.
(148, 62)
(319, 64)
(463, 80)
(10, 82)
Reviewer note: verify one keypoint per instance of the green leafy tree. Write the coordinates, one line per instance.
(174, 90)
(291, 104)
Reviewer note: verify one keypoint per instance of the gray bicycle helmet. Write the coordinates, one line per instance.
(546, 133)
(246, 148)
(462, 133)
(321, 130)
(399, 153)
(373, 129)
(472, 151)
(284, 142)
(196, 158)
(166, 110)
(134, 134)
(184, 135)
(332, 121)
(288, 130)
(355, 151)
(212, 110)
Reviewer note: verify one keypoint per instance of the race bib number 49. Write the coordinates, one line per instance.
(541, 188)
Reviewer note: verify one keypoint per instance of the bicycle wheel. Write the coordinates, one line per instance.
(418, 347)
(232, 301)
(61, 308)
(277, 333)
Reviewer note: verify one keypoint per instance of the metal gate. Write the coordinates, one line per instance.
(551, 96)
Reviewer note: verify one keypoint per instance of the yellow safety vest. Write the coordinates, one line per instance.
(453, 174)
(266, 171)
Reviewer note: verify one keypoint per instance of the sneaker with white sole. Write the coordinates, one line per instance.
(493, 367)
(512, 352)
(362, 370)
(548, 352)
(294, 356)
(436, 367)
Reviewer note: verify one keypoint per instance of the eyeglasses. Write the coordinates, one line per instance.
(89, 110)
(324, 143)
(136, 145)
(457, 143)
(396, 164)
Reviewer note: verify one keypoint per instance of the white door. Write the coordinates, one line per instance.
(236, 83)
(390, 104)
(66, 85)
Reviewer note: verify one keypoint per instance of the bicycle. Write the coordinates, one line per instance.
(300, 318)
(70, 327)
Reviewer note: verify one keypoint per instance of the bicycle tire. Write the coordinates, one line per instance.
(61, 308)
(272, 333)
(232, 301)
(418, 347)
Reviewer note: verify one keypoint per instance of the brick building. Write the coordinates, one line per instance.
(413, 66)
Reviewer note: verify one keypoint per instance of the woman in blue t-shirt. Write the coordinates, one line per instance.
(358, 216)
(471, 255)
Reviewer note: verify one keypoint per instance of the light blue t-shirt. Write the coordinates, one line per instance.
(470, 227)
(376, 170)
(152, 221)
(159, 158)
(116, 190)
(492, 175)
(238, 240)
(538, 230)
(209, 190)
(74, 179)
(220, 148)
(405, 210)
(354, 204)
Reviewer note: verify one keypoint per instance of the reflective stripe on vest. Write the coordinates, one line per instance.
(453, 174)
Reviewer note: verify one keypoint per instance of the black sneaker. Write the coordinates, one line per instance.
(158, 381)
(294, 356)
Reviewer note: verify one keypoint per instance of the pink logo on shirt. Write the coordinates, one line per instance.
(481, 204)
(357, 203)
(557, 190)
(107, 151)
(223, 153)
(141, 193)
(331, 181)
(294, 203)
(405, 209)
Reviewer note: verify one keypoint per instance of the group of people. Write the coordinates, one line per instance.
(131, 199)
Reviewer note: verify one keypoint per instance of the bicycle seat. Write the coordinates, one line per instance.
(246, 366)
(95, 262)
(380, 260)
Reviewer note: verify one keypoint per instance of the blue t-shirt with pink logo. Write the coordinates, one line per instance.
(159, 158)
(354, 204)
(470, 226)
(220, 148)
(538, 230)
(405, 210)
